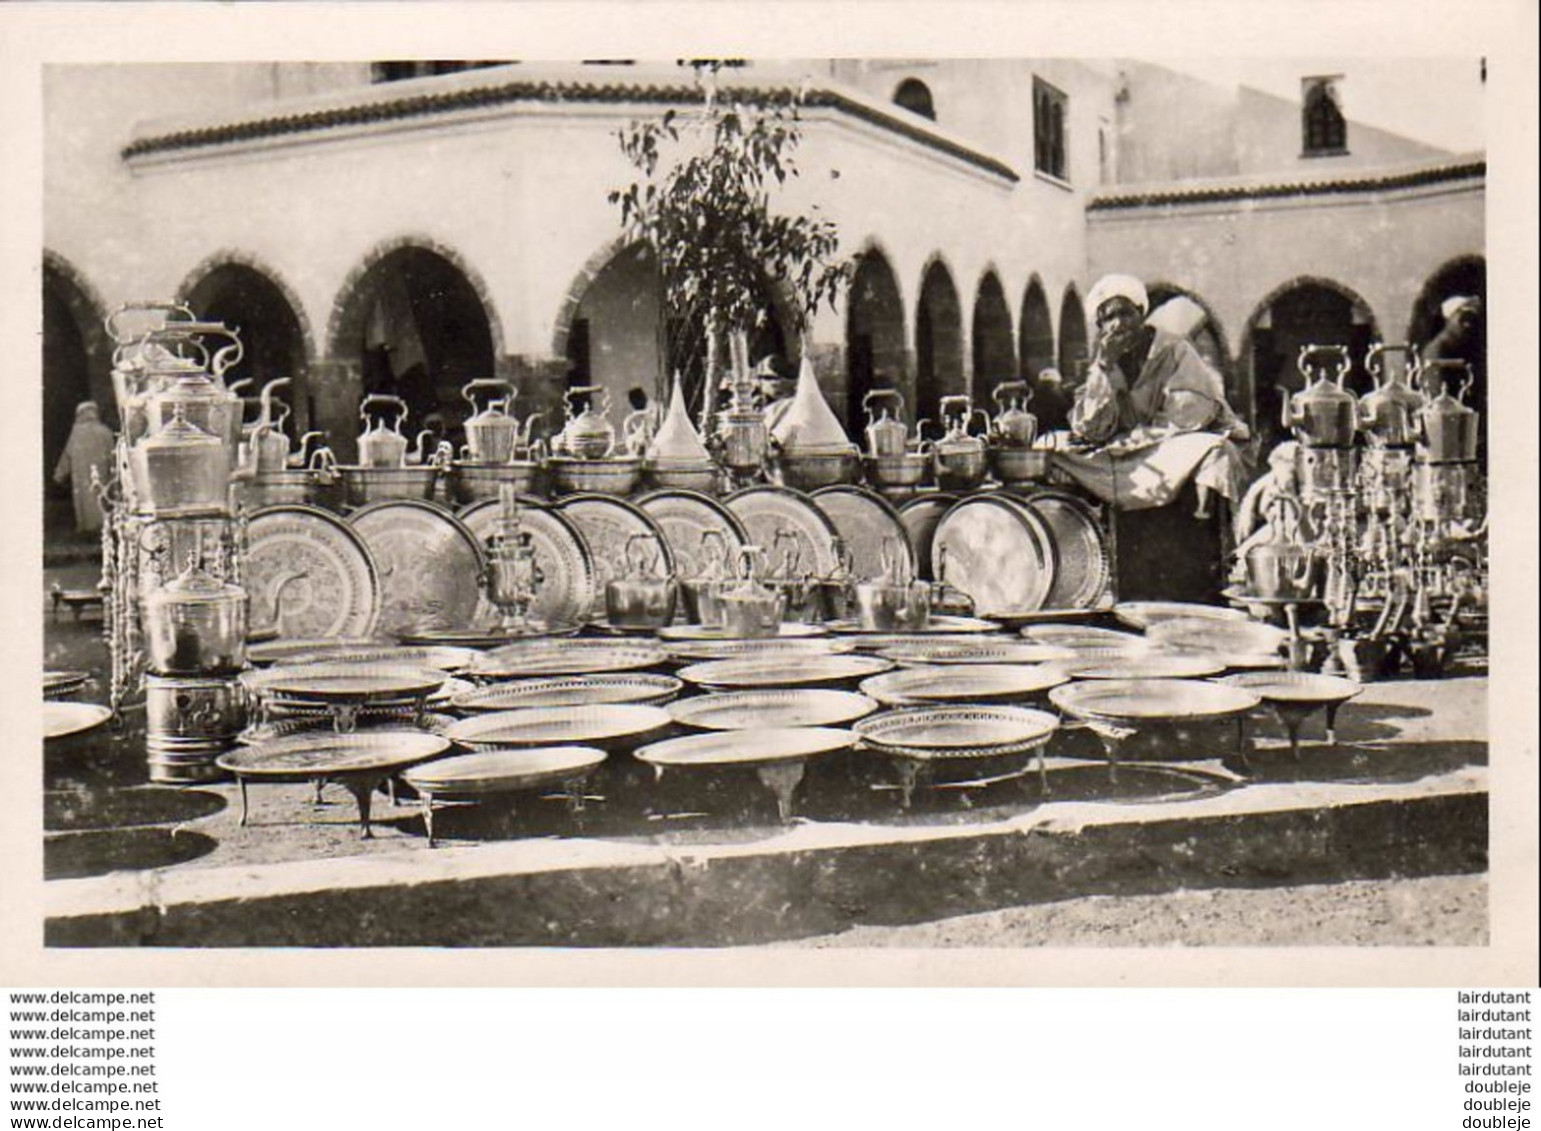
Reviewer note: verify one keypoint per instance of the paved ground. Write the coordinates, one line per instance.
(1430, 911)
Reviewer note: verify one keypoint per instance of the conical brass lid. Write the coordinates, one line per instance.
(677, 440)
(810, 424)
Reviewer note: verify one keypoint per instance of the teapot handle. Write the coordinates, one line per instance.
(879, 396)
(124, 337)
(639, 565)
(1307, 352)
(1012, 389)
(1376, 367)
(794, 557)
(747, 557)
(468, 390)
(385, 400)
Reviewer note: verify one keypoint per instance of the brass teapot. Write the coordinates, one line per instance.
(269, 444)
(381, 446)
(700, 592)
(1447, 428)
(1323, 415)
(641, 597)
(1388, 414)
(959, 456)
(1013, 426)
(587, 434)
(492, 435)
(1282, 567)
(749, 607)
(894, 601)
(886, 433)
(180, 470)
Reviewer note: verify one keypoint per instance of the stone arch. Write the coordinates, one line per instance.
(875, 338)
(437, 330)
(1074, 344)
(1319, 308)
(246, 294)
(77, 365)
(342, 321)
(1208, 337)
(991, 336)
(938, 338)
(1035, 331)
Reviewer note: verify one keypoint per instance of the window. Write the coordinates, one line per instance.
(395, 70)
(1051, 110)
(1324, 132)
(915, 96)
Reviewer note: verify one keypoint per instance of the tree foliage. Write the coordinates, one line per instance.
(704, 206)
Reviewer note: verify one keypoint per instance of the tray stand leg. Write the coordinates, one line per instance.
(245, 808)
(910, 770)
(1332, 721)
(781, 778)
(1293, 716)
(316, 800)
(390, 790)
(1296, 647)
(1113, 738)
(1241, 743)
(425, 803)
(362, 786)
(344, 717)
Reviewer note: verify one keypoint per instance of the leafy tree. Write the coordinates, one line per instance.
(703, 206)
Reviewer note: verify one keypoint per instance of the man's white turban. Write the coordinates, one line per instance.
(1456, 303)
(1117, 286)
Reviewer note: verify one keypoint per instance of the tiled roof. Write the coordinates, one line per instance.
(1364, 181)
(372, 110)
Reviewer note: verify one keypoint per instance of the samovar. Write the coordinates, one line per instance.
(513, 576)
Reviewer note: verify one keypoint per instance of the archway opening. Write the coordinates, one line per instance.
(915, 96)
(874, 337)
(416, 327)
(273, 344)
(1464, 276)
(1037, 333)
(1304, 313)
(1073, 348)
(76, 369)
(995, 355)
(938, 342)
(1208, 340)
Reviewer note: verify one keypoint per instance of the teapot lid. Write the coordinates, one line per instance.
(809, 422)
(677, 438)
(195, 584)
(179, 431)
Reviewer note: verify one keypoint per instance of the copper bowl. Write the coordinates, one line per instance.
(471, 482)
(365, 485)
(1019, 465)
(908, 469)
(617, 476)
(808, 469)
(681, 474)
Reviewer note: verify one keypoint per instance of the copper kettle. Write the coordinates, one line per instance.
(381, 446)
(1282, 567)
(492, 435)
(886, 433)
(1013, 426)
(267, 439)
(587, 434)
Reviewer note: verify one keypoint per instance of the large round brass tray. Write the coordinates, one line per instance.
(972, 683)
(920, 516)
(443, 657)
(570, 691)
(766, 510)
(974, 652)
(1143, 614)
(603, 725)
(1155, 665)
(309, 574)
(284, 650)
(772, 707)
(566, 657)
(430, 565)
(1152, 700)
(957, 731)
(684, 516)
(702, 633)
(61, 685)
(783, 671)
(974, 541)
(1226, 637)
(771, 646)
(60, 720)
(866, 522)
(339, 682)
(569, 585)
(1082, 636)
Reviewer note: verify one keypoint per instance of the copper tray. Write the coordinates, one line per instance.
(765, 510)
(783, 671)
(1295, 687)
(1143, 614)
(320, 754)
(935, 626)
(881, 641)
(345, 682)
(864, 521)
(429, 561)
(771, 646)
(309, 575)
(596, 725)
(772, 707)
(607, 523)
(1156, 665)
(957, 731)
(57, 685)
(726, 748)
(387, 719)
(1152, 700)
(566, 657)
(920, 516)
(1079, 637)
(284, 649)
(570, 691)
(684, 516)
(60, 720)
(977, 536)
(974, 652)
(569, 586)
(974, 683)
(1206, 634)
(503, 771)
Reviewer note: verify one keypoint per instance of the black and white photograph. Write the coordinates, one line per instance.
(867, 502)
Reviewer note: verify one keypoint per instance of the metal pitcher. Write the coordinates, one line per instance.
(1282, 567)
(958, 455)
(640, 598)
(749, 608)
(1447, 428)
(381, 446)
(1013, 426)
(587, 434)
